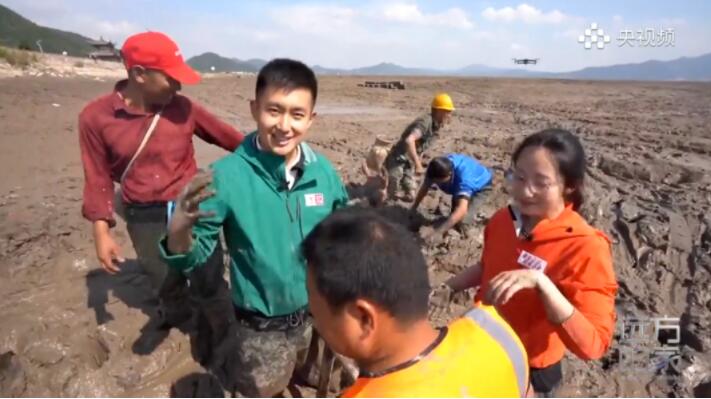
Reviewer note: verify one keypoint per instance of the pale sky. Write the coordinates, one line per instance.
(444, 34)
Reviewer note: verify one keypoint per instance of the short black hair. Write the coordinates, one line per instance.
(439, 168)
(287, 74)
(569, 156)
(355, 253)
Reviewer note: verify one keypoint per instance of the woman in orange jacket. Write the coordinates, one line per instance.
(547, 271)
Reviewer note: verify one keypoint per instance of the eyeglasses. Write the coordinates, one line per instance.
(536, 186)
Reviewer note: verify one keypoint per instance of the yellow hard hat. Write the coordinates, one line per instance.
(443, 101)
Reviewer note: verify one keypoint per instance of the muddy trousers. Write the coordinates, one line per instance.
(401, 178)
(259, 361)
(204, 289)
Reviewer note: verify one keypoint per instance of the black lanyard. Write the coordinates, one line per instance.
(401, 366)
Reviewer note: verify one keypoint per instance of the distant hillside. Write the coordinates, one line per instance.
(206, 61)
(15, 30)
(387, 68)
(390, 69)
(255, 62)
(685, 68)
(320, 70)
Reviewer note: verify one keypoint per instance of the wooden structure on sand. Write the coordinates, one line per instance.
(104, 50)
(393, 84)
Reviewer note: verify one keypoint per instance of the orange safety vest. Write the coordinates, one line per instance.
(480, 356)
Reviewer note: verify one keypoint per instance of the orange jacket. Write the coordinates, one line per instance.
(577, 258)
(479, 357)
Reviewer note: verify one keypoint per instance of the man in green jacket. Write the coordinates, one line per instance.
(267, 196)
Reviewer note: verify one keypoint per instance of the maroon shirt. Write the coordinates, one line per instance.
(110, 133)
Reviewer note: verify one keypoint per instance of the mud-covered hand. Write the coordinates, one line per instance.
(506, 284)
(440, 301)
(187, 209)
(187, 212)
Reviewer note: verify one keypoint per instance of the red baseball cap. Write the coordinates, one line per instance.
(156, 50)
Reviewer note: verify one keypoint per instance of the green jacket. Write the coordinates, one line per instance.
(264, 224)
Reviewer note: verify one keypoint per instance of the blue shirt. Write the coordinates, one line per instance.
(468, 178)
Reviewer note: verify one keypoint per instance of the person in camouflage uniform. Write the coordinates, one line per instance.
(404, 160)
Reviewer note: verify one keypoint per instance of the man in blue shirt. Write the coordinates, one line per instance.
(462, 177)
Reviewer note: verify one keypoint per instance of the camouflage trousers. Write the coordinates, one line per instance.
(401, 178)
(253, 363)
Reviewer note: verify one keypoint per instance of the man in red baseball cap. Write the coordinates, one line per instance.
(154, 50)
(140, 136)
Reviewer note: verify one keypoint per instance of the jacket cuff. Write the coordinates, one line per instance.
(181, 262)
